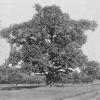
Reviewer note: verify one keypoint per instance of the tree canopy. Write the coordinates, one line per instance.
(50, 41)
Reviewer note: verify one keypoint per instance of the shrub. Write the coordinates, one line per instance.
(29, 79)
(87, 79)
(14, 78)
(4, 79)
(39, 79)
(98, 75)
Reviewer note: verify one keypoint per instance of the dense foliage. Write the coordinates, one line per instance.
(49, 42)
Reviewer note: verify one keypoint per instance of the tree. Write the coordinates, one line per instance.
(50, 41)
(92, 67)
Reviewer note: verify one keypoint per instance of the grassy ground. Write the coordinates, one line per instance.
(69, 92)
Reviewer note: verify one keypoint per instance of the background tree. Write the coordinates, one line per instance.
(92, 67)
(50, 41)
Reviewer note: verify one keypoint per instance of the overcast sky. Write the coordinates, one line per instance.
(16, 11)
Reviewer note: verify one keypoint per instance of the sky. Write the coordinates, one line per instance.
(17, 11)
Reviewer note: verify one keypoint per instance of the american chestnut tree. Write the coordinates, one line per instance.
(48, 43)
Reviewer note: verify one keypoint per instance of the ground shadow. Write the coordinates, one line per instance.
(19, 87)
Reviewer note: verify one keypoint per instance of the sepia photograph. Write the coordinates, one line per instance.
(49, 50)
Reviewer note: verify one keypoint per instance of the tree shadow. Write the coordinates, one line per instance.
(19, 87)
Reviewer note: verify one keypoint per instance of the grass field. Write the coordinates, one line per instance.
(69, 92)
